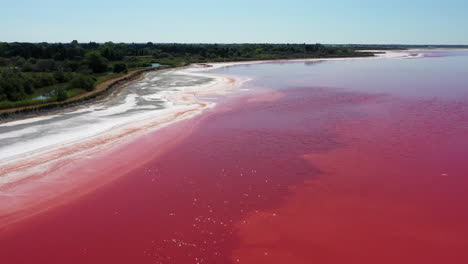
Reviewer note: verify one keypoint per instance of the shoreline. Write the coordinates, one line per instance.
(387, 54)
(60, 169)
(101, 91)
(110, 86)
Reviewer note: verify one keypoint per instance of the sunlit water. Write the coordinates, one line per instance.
(442, 74)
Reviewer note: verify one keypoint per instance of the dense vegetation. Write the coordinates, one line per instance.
(38, 72)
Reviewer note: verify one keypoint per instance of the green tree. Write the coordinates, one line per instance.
(59, 76)
(96, 62)
(43, 79)
(12, 84)
(83, 82)
(46, 65)
(120, 67)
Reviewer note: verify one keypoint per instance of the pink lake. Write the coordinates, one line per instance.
(360, 161)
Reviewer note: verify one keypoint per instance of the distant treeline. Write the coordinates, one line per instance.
(26, 67)
(199, 52)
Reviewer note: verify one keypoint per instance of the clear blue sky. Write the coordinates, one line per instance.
(236, 21)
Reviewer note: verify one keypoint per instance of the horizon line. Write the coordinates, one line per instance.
(240, 43)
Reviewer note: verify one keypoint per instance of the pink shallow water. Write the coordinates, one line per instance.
(296, 175)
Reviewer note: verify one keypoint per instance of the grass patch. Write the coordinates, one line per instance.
(106, 77)
(74, 92)
(28, 102)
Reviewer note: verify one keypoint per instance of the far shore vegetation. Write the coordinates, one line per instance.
(40, 73)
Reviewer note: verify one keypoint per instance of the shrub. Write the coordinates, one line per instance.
(120, 67)
(61, 94)
(28, 67)
(59, 76)
(72, 65)
(12, 85)
(45, 65)
(84, 82)
(4, 62)
(43, 79)
(28, 85)
(96, 62)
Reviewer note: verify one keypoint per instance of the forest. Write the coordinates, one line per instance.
(32, 73)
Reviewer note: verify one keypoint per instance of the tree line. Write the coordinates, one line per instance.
(26, 67)
(117, 51)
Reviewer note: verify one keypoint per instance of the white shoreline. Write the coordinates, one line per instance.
(185, 99)
(28, 168)
(389, 54)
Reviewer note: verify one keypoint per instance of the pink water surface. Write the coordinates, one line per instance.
(302, 171)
